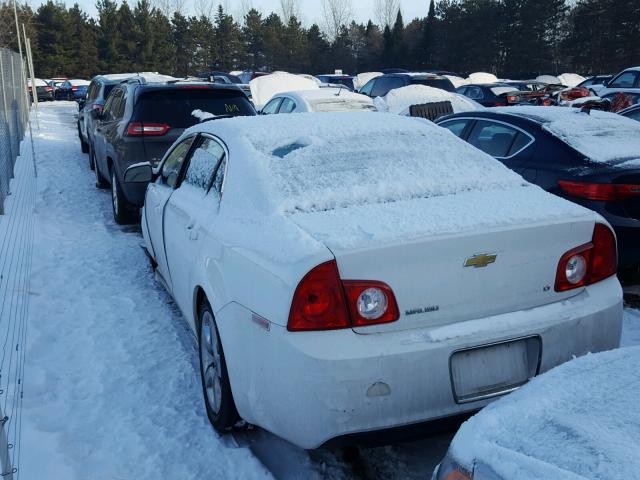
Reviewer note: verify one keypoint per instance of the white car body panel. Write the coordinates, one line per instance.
(333, 99)
(246, 254)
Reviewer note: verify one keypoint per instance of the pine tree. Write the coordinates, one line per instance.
(253, 35)
(107, 35)
(164, 60)
(398, 44)
(317, 51)
(229, 47)
(52, 24)
(274, 51)
(82, 53)
(143, 36)
(183, 41)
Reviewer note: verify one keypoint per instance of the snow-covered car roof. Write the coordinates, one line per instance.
(265, 87)
(39, 82)
(580, 420)
(482, 77)
(79, 82)
(148, 76)
(600, 136)
(331, 99)
(361, 179)
(361, 79)
(400, 99)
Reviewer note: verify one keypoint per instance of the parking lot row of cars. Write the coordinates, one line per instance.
(58, 89)
(315, 256)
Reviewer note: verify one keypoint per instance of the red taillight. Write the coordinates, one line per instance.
(324, 302)
(600, 191)
(48, 89)
(588, 263)
(512, 99)
(147, 129)
(501, 104)
(319, 302)
(74, 87)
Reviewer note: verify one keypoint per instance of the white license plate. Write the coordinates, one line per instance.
(488, 371)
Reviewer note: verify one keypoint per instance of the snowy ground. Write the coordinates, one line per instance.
(112, 388)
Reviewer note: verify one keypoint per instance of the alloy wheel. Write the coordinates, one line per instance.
(211, 362)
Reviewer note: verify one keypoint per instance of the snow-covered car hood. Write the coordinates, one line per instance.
(265, 87)
(580, 420)
(601, 137)
(400, 99)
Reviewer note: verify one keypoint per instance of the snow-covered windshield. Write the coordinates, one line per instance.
(337, 105)
(380, 157)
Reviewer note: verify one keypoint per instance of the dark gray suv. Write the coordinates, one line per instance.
(140, 121)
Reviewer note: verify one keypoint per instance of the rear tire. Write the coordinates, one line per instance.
(218, 398)
(122, 210)
(101, 183)
(84, 147)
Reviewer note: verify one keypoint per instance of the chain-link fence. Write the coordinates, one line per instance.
(13, 117)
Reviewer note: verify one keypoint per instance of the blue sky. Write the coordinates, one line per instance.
(311, 10)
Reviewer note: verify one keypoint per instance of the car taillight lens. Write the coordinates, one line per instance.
(512, 99)
(48, 89)
(600, 191)
(318, 302)
(501, 104)
(74, 87)
(322, 301)
(147, 129)
(370, 302)
(589, 263)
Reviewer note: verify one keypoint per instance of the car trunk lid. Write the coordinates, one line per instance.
(474, 270)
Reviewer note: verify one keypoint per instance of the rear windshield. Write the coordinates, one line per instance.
(441, 83)
(174, 106)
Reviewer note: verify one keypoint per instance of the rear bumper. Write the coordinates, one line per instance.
(311, 387)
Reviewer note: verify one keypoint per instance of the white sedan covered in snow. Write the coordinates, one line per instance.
(579, 421)
(319, 100)
(350, 272)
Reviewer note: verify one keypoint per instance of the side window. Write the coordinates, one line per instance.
(625, 80)
(287, 106)
(493, 138)
(91, 91)
(173, 163)
(461, 91)
(203, 163)
(107, 112)
(520, 143)
(455, 126)
(118, 108)
(272, 106)
(366, 90)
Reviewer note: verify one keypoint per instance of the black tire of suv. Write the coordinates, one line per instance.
(227, 418)
(101, 183)
(123, 214)
(84, 147)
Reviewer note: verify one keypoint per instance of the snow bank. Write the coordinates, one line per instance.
(600, 136)
(482, 77)
(580, 420)
(361, 79)
(265, 87)
(571, 79)
(399, 100)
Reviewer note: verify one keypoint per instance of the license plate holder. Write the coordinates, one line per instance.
(487, 371)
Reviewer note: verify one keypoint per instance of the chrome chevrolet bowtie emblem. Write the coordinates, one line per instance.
(480, 260)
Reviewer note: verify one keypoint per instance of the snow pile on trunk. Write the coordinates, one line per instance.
(361, 79)
(571, 79)
(265, 87)
(580, 420)
(482, 77)
(600, 136)
(399, 100)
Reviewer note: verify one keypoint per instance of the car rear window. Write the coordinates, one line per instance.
(441, 83)
(174, 106)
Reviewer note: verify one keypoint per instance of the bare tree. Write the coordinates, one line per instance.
(204, 8)
(290, 8)
(336, 13)
(169, 7)
(386, 12)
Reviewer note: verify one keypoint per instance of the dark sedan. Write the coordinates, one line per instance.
(591, 159)
(491, 94)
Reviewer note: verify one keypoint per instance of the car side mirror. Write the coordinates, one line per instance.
(139, 173)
